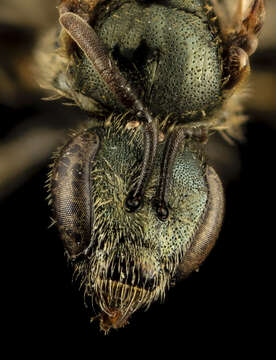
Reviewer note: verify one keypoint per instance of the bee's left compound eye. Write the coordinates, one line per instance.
(71, 191)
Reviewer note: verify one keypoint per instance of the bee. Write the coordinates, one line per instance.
(136, 203)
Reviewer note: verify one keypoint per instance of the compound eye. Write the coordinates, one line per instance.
(71, 194)
(208, 230)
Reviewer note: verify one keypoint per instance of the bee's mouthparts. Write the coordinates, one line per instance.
(119, 301)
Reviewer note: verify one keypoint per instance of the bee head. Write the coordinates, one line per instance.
(126, 260)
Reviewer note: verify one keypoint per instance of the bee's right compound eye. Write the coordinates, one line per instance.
(70, 185)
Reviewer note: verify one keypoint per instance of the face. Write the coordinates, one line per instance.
(126, 260)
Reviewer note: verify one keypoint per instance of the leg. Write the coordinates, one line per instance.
(251, 27)
(240, 38)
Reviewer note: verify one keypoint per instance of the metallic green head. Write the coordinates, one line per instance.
(125, 259)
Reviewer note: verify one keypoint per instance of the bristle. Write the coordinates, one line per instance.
(222, 15)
